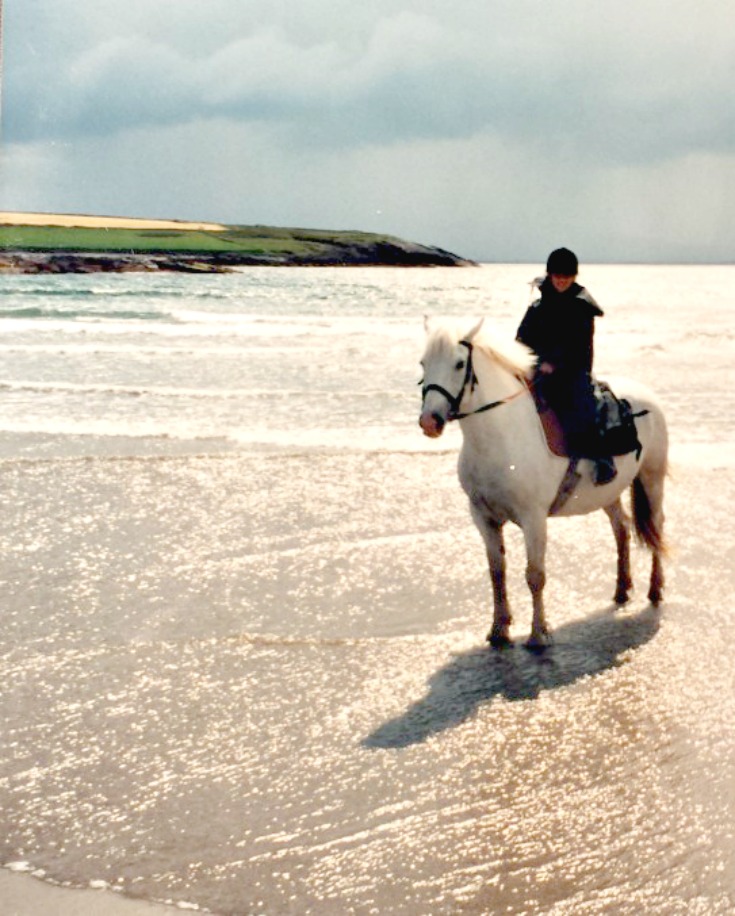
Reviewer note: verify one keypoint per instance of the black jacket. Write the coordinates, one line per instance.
(560, 327)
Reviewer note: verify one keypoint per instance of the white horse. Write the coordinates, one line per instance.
(509, 473)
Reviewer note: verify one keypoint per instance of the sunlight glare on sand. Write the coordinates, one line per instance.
(243, 643)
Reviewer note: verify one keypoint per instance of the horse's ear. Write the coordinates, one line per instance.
(474, 330)
(427, 323)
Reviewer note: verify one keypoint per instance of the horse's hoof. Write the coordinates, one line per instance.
(499, 640)
(655, 598)
(621, 598)
(538, 643)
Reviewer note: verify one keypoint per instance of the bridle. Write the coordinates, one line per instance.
(469, 379)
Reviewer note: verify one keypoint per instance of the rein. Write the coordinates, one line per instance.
(469, 379)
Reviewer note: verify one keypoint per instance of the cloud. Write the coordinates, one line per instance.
(613, 80)
(489, 127)
(127, 81)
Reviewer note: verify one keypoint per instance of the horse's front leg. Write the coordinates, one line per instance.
(534, 534)
(492, 533)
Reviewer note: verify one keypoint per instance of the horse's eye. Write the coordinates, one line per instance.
(460, 365)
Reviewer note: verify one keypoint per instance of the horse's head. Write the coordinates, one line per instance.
(448, 374)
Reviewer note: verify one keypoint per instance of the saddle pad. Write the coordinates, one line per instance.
(555, 438)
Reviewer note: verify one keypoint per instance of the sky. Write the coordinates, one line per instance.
(496, 129)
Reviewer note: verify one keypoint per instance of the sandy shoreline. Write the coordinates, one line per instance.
(251, 747)
(24, 895)
(80, 221)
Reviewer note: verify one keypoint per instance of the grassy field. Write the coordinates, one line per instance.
(247, 240)
(47, 242)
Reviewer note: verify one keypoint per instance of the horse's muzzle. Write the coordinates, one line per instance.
(432, 424)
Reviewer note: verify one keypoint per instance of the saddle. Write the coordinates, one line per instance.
(614, 419)
(616, 422)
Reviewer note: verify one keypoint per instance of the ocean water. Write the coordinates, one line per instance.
(272, 359)
(244, 608)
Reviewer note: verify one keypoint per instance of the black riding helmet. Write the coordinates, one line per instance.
(563, 262)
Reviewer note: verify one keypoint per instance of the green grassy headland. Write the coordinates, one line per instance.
(248, 240)
(219, 247)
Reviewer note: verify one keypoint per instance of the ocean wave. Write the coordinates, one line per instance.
(85, 314)
(76, 290)
(33, 387)
(133, 349)
(220, 394)
(50, 436)
(106, 429)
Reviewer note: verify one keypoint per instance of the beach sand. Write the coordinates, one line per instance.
(8, 218)
(300, 766)
(23, 895)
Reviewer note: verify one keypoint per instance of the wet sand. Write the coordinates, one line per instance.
(22, 895)
(260, 684)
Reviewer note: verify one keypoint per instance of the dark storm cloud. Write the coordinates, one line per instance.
(611, 82)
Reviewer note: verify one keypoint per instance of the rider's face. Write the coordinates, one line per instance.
(561, 283)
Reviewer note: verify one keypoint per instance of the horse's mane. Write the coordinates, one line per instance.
(511, 355)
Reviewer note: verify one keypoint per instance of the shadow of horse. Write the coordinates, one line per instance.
(581, 649)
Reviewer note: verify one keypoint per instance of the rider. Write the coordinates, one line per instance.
(559, 327)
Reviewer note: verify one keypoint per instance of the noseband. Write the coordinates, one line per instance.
(469, 379)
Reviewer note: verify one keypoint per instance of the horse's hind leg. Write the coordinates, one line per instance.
(648, 514)
(621, 529)
(655, 492)
(656, 590)
(492, 534)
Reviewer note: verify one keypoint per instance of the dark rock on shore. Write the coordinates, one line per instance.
(382, 253)
(61, 262)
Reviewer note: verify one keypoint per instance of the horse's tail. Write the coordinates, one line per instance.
(647, 529)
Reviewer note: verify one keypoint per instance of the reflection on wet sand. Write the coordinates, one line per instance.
(581, 649)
